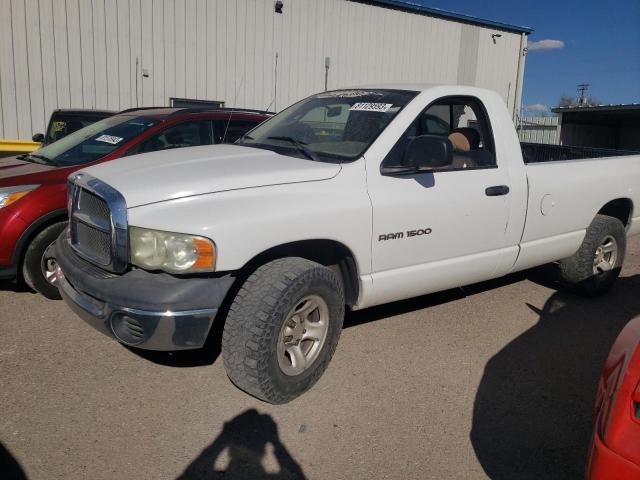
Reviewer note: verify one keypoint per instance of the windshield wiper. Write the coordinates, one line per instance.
(299, 145)
(244, 137)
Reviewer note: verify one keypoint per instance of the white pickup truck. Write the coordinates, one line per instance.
(349, 198)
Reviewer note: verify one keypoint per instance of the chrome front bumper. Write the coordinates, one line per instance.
(150, 330)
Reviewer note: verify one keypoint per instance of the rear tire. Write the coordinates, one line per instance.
(595, 267)
(283, 328)
(39, 263)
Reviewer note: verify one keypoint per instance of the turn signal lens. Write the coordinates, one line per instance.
(205, 252)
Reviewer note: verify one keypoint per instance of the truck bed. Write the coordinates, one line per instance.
(541, 152)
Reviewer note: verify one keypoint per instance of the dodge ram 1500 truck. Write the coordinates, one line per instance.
(349, 198)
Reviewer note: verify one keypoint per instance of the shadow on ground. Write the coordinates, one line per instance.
(10, 469)
(533, 408)
(245, 439)
(212, 348)
(13, 286)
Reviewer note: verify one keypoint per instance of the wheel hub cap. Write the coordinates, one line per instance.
(303, 335)
(606, 256)
(48, 265)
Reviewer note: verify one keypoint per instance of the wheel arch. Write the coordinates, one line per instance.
(329, 253)
(32, 230)
(620, 208)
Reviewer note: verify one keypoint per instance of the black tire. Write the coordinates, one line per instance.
(34, 264)
(256, 318)
(577, 272)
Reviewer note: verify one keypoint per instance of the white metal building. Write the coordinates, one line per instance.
(116, 54)
(539, 130)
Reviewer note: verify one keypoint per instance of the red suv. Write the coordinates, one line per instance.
(33, 186)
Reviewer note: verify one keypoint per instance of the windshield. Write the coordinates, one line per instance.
(63, 124)
(337, 125)
(96, 140)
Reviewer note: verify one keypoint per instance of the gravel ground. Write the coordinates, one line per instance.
(496, 379)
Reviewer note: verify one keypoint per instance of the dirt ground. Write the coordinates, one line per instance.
(495, 379)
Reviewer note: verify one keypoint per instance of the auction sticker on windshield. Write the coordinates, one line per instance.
(109, 139)
(371, 107)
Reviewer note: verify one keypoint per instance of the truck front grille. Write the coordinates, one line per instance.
(92, 242)
(98, 223)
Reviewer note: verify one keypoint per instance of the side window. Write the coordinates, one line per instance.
(232, 131)
(464, 122)
(185, 134)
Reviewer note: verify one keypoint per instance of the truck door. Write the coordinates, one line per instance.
(445, 228)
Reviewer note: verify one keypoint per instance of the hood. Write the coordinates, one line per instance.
(171, 174)
(11, 167)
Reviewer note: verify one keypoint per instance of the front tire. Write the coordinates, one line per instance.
(595, 267)
(39, 263)
(283, 328)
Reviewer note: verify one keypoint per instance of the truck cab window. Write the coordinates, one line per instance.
(464, 122)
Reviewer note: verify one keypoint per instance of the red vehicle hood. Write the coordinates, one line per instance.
(11, 167)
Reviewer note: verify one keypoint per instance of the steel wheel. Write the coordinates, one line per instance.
(606, 256)
(303, 335)
(48, 265)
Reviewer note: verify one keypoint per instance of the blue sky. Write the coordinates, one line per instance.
(600, 45)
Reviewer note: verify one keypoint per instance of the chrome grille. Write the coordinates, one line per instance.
(93, 241)
(93, 206)
(98, 223)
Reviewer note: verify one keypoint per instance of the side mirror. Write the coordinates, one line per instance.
(38, 137)
(428, 152)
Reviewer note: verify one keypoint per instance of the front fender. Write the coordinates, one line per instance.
(243, 223)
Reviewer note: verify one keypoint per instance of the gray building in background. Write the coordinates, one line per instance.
(604, 126)
(116, 54)
(539, 130)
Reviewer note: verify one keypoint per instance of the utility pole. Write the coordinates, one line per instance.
(582, 89)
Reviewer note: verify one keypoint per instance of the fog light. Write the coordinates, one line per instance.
(127, 329)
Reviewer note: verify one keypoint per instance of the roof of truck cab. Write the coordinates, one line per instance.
(411, 87)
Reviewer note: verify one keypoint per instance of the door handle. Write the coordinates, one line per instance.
(497, 190)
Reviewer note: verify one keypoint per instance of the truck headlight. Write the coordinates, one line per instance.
(171, 252)
(8, 195)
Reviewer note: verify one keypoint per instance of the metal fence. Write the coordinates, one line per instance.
(539, 130)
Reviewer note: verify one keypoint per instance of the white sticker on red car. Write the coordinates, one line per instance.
(371, 107)
(109, 139)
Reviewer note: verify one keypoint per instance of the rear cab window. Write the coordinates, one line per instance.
(62, 124)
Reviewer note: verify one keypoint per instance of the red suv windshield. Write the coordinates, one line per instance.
(96, 140)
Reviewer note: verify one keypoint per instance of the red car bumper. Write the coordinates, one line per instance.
(605, 464)
(11, 228)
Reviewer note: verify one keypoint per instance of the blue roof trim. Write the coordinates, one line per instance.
(437, 12)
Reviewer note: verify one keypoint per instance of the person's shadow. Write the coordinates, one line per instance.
(533, 409)
(10, 468)
(245, 438)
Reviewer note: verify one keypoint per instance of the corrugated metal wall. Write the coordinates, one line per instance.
(93, 53)
(539, 130)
